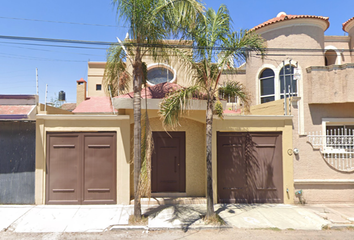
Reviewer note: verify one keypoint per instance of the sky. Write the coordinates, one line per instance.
(60, 66)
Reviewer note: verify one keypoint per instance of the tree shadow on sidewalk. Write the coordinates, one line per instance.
(173, 211)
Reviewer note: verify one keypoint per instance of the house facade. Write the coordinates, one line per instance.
(85, 157)
(317, 72)
(283, 151)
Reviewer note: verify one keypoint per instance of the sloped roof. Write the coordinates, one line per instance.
(154, 92)
(282, 16)
(346, 23)
(95, 105)
(68, 106)
(16, 111)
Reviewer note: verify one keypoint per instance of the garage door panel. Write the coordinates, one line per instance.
(269, 152)
(99, 170)
(255, 173)
(231, 187)
(81, 168)
(63, 169)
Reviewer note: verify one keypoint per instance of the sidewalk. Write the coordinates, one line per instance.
(98, 218)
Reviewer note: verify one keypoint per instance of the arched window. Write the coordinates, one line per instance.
(266, 82)
(290, 83)
(160, 73)
(330, 57)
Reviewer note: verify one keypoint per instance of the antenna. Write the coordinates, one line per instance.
(46, 93)
(37, 90)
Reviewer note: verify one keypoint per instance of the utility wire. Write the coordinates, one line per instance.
(102, 43)
(48, 45)
(47, 50)
(75, 23)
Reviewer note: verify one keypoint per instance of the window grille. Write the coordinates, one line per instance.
(336, 146)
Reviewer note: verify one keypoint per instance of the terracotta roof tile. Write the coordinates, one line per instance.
(81, 80)
(346, 23)
(95, 105)
(16, 112)
(68, 106)
(154, 92)
(15, 109)
(284, 17)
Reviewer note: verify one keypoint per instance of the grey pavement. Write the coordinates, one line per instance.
(98, 218)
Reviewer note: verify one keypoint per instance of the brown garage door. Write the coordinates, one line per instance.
(168, 172)
(81, 168)
(249, 167)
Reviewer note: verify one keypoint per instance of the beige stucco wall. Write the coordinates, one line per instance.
(350, 29)
(331, 84)
(195, 155)
(94, 77)
(259, 124)
(319, 181)
(51, 110)
(275, 108)
(83, 123)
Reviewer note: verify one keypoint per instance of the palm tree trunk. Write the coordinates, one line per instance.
(137, 133)
(209, 131)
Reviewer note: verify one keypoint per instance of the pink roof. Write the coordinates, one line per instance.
(15, 109)
(346, 23)
(285, 17)
(157, 91)
(95, 105)
(232, 111)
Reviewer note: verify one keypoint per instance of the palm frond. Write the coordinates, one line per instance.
(180, 15)
(234, 89)
(239, 46)
(176, 104)
(116, 77)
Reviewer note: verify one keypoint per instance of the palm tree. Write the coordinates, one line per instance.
(213, 40)
(150, 22)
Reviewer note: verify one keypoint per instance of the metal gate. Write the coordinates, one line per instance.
(81, 168)
(249, 167)
(168, 172)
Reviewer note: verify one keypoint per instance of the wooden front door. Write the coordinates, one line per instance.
(168, 162)
(81, 168)
(249, 167)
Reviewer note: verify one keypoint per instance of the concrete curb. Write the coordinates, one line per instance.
(341, 226)
(128, 227)
(146, 228)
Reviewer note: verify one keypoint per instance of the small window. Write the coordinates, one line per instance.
(98, 87)
(290, 83)
(267, 86)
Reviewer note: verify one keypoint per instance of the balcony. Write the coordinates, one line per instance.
(330, 84)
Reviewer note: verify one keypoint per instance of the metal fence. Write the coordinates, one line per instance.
(337, 147)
